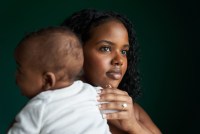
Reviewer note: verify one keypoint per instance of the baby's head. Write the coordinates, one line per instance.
(48, 59)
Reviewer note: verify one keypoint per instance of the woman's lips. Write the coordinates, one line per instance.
(114, 74)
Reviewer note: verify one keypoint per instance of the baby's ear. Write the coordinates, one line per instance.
(49, 80)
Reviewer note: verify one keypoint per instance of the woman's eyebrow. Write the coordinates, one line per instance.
(105, 41)
(110, 43)
(126, 46)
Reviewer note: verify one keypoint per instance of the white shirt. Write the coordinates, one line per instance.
(71, 110)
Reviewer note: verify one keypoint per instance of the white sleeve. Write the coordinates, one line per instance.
(28, 121)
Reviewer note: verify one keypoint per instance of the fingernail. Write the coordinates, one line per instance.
(99, 91)
(99, 106)
(104, 116)
(98, 97)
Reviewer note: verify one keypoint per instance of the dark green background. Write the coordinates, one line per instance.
(168, 36)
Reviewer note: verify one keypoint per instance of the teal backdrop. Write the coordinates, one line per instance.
(168, 37)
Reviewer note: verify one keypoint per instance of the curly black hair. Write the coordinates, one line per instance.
(83, 21)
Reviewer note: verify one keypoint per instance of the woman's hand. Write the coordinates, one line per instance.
(121, 101)
(128, 118)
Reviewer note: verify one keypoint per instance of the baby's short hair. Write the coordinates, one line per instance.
(53, 49)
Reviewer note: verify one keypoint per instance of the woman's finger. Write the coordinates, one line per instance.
(114, 97)
(120, 106)
(113, 90)
(118, 115)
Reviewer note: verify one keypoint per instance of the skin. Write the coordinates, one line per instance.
(105, 64)
(32, 78)
(105, 54)
(28, 79)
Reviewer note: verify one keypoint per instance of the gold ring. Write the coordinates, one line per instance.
(124, 105)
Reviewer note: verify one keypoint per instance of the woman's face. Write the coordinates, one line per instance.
(105, 60)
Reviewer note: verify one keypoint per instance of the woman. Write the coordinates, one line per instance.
(110, 54)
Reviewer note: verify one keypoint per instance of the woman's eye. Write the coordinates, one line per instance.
(124, 52)
(105, 49)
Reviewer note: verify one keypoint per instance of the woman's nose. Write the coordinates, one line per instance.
(117, 59)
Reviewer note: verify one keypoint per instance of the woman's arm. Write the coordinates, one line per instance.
(145, 121)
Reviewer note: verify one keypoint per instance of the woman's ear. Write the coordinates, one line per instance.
(49, 80)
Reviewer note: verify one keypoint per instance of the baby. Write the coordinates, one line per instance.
(49, 63)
